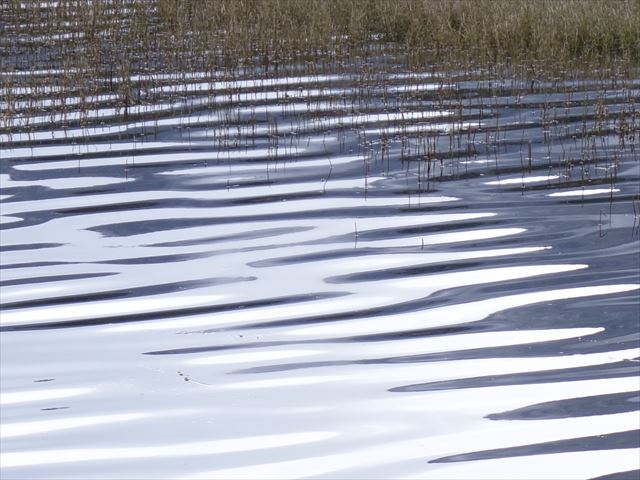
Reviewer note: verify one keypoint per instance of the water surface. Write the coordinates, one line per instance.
(334, 276)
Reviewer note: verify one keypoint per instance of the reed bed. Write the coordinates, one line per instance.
(478, 32)
(92, 41)
(65, 63)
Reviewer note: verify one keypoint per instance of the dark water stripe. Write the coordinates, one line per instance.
(36, 264)
(575, 407)
(611, 441)
(623, 368)
(249, 235)
(51, 278)
(215, 348)
(28, 246)
(134, 292)
(628, 475)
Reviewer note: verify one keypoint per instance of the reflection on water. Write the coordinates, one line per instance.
(336, 276)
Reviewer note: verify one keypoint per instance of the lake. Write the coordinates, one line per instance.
(330, 275)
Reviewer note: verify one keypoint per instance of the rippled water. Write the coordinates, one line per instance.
(338, 276)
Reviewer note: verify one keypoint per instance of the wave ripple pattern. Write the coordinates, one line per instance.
(333, 276)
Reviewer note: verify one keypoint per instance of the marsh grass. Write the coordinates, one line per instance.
(69, 58)
(480, 32)
(112, 39)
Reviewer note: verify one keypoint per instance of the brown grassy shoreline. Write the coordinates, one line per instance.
(183, 34)
(484, 31)
(85, 48)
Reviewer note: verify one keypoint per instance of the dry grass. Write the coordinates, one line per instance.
(123, 35)
(479, 31)
(91, 48)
